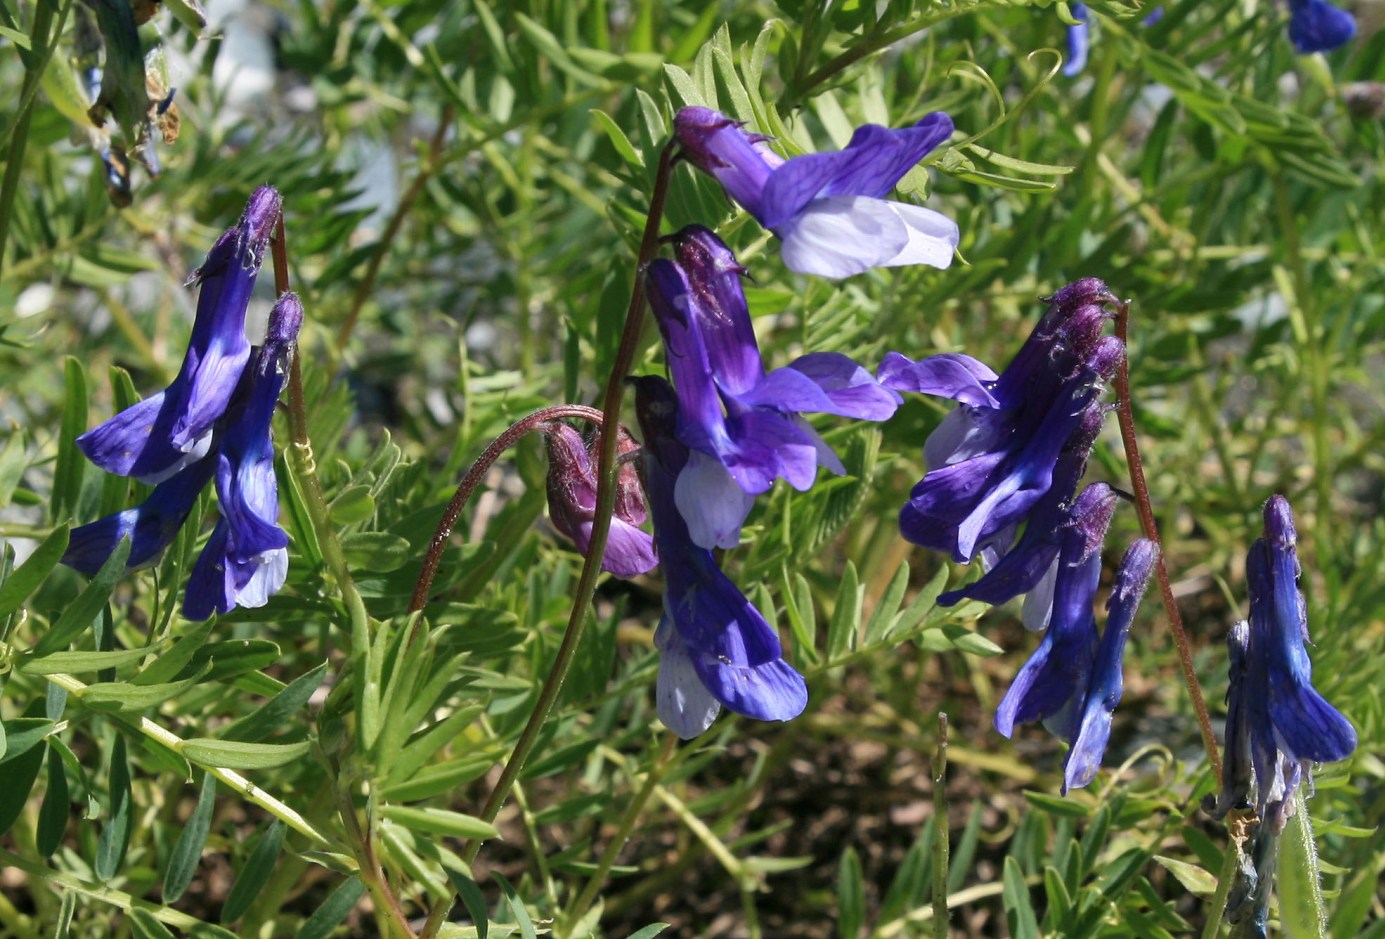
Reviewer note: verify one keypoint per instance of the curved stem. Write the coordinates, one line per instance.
(605, 503)
(1126, 418)
(472, 479)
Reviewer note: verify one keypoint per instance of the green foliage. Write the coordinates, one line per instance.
(344, 747)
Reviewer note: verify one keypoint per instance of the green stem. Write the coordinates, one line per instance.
(235, 781)
(627, 825)
(304, 467)
(940, 832)
(1126, 417)
(605, 504)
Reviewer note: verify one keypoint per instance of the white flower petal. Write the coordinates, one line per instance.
(711, 503)
(933, 237)
(843, 235)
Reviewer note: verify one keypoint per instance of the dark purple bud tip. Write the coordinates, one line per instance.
(1091, 515)
(1082, 292)
(1279, 523)
(702, 254)
(694, 128)
(1133, 575)
(629, 490)
(285, 320)
(1106, 358)
(261, 213)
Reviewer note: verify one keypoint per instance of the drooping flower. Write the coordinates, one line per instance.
(994, 459)
(742, 424)
(1277, 724)
(1106, 684)
(212, 422)
(1318, 26)
(246, 559)
(716, 648)
(572, 502)
(1072, 682)
(151, 526)
(828, 209)
(160, 435)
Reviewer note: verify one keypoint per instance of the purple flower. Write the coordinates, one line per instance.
(1031, 566)
(1277, 724)
(1318, 26)
(742, 424)
(157, 437)
(151, 526)
(572, 502)
(1072, 682)
(1105, 685)
(227, 404)
(246, 559)
(717, 649)
(995, 458)
(828, 209)
(1078, 41)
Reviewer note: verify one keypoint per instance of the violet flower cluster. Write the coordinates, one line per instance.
(728, 427)
(212, 422)
(1001, 487)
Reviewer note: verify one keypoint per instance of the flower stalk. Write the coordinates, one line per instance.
(1126, 418)
(605, 502)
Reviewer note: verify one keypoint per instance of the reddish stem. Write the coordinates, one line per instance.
(1126, 418)
(472, 479)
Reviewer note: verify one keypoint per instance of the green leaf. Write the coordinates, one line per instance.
(76, 663)
(1301, 912)
(232, 754)
(846, 615)
(145, 925)
(121, 696)
(472, 899)
(264, 720)
(24, 580)
(21, 735)
(115, 834)
(225, 660)
(1019, 911)
(883, 616)
(81, 612)
(187, 850)
(607, 125)
(255, 873)
(650, 931)
(52, 816)
(553, 50)
(526, 924)
(169, 663)
(334, 910)
(20, 774)
(1193, 878)
(376, 551)
(851, 895)
(947, 638)
(352, 505)
(71, 465)
(1056, 805)
(440, 822)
